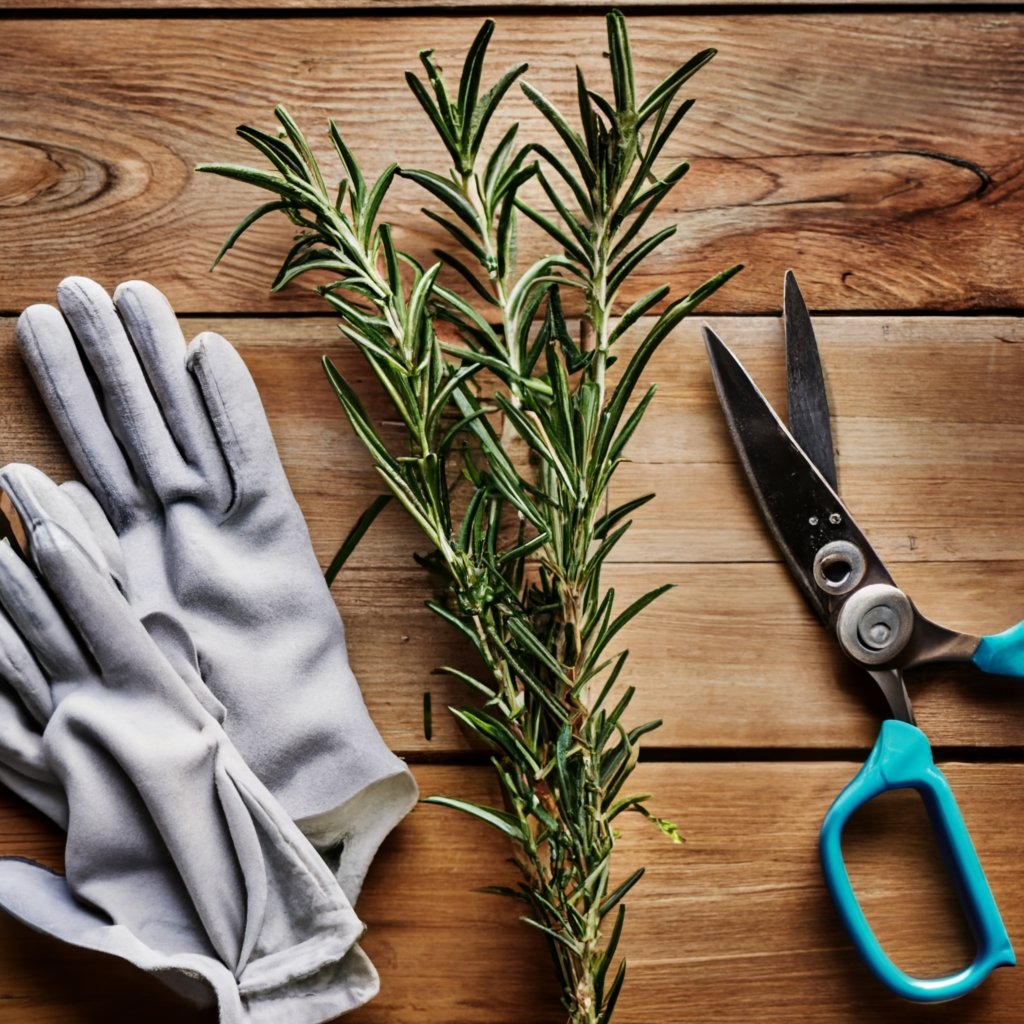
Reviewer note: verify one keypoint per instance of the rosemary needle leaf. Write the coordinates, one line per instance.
(251, 176)
(621, 63)
(442, 125)
(484, 110)
(469, 244)
(370, 206)
(578, 230)
(466, 274)
(568, 245)
(616, 897)
(355, 535)
(640, 308)
(632, 259)
(566, 940)
(608, 954)
(273, 148)
(579, 191)
(500, 820)
(612, 996)
(497, 733)
(498, 160)
(471, 681)
(503, 890)
(472, 69)
(572, 140)
(301, 146)
(669, 86)
(245, 224)
(351, 165)
(443, 189)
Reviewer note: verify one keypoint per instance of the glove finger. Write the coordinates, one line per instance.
(102, 532)
(72, 507)
(49, 349)
(25, 687)
(237, 415)
(46, 796)
(131, 410)
(160, 347)
(40, 624)
(94, 608)
(26, 704)
(36, 498)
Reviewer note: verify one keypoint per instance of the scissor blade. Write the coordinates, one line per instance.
(808, 403)
(801, 509)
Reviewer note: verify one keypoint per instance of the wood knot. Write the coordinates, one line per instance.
(34, 173)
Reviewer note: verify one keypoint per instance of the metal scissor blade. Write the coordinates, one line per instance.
(890, 682)
(801, 509)
(808, 403)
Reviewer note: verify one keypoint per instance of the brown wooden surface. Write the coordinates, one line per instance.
(880, 155)
(876, 153)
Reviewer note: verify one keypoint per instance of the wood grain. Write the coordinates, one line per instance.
(735, 922)
(876, 153)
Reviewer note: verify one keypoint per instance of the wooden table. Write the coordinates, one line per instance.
(878, 151)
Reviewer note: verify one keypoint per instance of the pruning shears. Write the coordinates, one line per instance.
(793, 477)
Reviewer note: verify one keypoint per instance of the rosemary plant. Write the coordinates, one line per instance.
(520, 557)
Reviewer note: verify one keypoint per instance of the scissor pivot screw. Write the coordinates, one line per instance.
(839, 567)
(875, 624)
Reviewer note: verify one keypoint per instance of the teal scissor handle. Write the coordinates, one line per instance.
(902, 759)
(1003, 653)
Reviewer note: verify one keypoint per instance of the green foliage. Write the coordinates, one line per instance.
(521, 557)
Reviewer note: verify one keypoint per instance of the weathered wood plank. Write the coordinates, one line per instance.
(926, 417)
(730, 658)
(926, 421)
(874, 152)
(735, 923)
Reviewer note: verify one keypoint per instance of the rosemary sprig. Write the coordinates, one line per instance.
(521, 558)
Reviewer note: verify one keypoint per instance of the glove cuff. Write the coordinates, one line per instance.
(336, 987)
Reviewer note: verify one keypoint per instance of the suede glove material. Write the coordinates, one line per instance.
(174, 447)
(178, 858)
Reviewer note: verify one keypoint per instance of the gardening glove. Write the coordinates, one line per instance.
(175, 448)
(178, 859)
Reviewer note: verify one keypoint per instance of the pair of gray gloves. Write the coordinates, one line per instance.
(174, 684)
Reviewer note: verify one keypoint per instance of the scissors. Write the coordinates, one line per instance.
(793, 477)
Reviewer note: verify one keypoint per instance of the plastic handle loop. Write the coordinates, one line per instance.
(902, 759)
(1003, 653)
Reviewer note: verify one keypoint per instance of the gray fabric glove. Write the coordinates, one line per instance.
(178, 859)
(174, 446)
